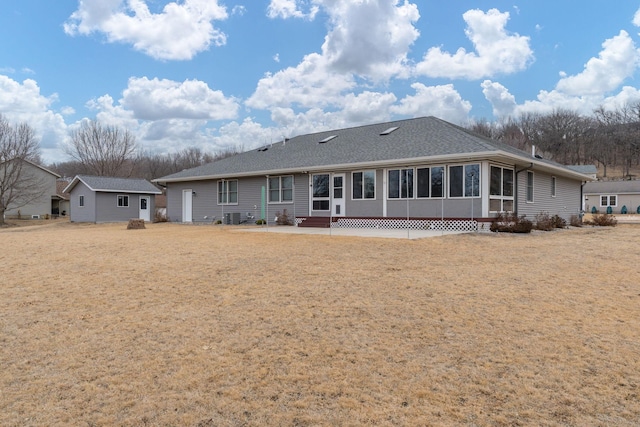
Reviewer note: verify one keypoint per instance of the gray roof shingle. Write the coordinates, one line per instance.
(612, 187)
(109, 184)
(419, 138)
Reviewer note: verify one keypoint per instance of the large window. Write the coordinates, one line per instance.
(281, 189)
(464, 180)
(228, 192)
(400, 183)
(529, 187)
(430, 181)
(321, 192)
(501, 190)
(364, 185)
(608, 201)
(123, 201)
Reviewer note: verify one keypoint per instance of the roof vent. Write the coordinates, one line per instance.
(388, 131)
(327, 139)
(265, 148)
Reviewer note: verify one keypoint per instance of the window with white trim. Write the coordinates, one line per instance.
(281, 189)
(320, 192)
(363, 185)
(608, 200)
(553, 186)
(81, 201)
(529, 187)
(228, 192)
(430, 181)
(123, 201)
(400, 183)
(464, 180)
(501, 189)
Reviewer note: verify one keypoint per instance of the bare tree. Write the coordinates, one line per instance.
(103, 150)
(18, 187)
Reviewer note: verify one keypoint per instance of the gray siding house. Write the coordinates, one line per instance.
(104, 199)
(421, 172)
(36, 189)
(616, 196)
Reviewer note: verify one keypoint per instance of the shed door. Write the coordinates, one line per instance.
(187, 205)
(145, 213)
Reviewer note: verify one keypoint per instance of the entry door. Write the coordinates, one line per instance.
(145, 213)
(338, 196)
(187, 205)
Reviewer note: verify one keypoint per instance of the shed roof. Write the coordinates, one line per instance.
(114, 185)
(426, 139)
(612, 187)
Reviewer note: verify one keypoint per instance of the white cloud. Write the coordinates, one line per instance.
(23, 103)
(440, 101)
(286, 9)
(616, 62)
(497, 51)
(636, 18)
(504, 103)
(370, 38)
(157, 99)
(180, 32)
(308, 85)
(583, 92)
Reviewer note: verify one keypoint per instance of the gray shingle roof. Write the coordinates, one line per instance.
(108, 184)
(612, 187)
(420, 138)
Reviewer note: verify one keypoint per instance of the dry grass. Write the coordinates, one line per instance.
(207, 326)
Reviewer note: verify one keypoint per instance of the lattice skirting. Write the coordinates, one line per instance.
(414, 224)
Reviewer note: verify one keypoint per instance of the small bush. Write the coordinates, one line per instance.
(544, 222)
(559, 222)
(511, 223)
(261, 222)
(575, 221)
(604, 220)
(283, 218)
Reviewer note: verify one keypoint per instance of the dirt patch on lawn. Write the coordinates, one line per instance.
(204, 325)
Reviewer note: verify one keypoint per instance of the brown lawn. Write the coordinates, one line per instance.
(208, 326)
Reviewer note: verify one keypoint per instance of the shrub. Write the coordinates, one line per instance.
(283, 218)
(544, 222)
(575, 221)
(604, 220)
(261, 222)
(559, 222)
(511, 223)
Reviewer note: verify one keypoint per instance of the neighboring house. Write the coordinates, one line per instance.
(60, 202)
(39, 187)
(422, 172)
(104, 199)
(616, 195)
(590, 170)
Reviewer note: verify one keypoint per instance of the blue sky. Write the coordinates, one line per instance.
(214, 74)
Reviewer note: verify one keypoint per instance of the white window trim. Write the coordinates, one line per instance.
(124, 197)
(375, 182)
(81, 201)
(218, 193)
(321, 199)
(282, 202)
(608, 196)
(464, 178)
(386, 173)
(554, 186)
(502, 197)
(444, 182)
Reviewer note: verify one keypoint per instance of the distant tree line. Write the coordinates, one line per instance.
(607, 139)
(102, 150)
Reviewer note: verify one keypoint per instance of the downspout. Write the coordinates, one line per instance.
(515, 199)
